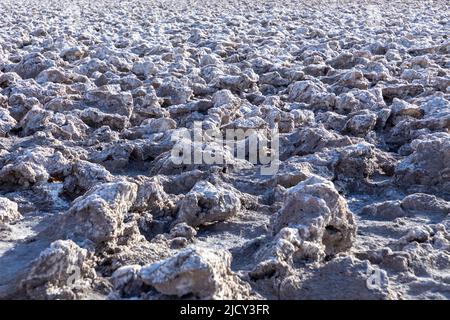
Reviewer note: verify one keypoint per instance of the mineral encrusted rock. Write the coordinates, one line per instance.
(61, 271)
(427, 165)
(203, 273)
(206, 203)
(320, 214)
(98, 215)
(8, 211)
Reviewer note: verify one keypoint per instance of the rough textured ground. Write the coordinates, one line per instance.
(92, 91)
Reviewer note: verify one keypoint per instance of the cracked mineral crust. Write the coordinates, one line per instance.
(100, 103)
